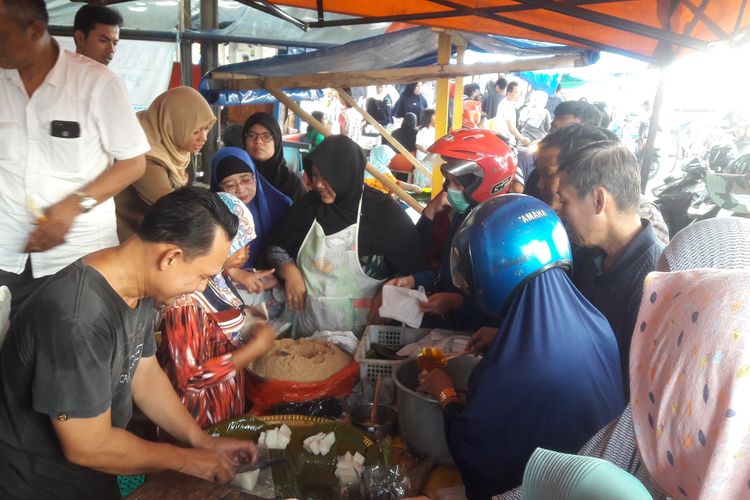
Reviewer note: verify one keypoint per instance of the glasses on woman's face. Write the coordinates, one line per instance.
(264, 137)
(232, 187)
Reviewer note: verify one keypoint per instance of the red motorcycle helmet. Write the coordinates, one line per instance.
(483, 162)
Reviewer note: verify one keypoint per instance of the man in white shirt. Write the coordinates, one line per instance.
(64, 119)
(504, 122)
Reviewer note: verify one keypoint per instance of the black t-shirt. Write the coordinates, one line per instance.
(71, 352)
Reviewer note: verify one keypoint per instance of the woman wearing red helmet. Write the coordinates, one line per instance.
(477, 164)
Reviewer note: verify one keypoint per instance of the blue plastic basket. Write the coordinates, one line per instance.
(129, 483)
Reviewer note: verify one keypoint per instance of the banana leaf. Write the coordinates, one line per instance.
(306, 476)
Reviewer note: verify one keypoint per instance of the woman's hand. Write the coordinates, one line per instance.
(435, 382)
(437, 204)
(261, 339)
(402, 281)
(442, 302)
(253, 281)
(296, 292)
(263, 335)
(481, 339)
(373, 316)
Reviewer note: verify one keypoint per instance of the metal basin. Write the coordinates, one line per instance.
(420, 420)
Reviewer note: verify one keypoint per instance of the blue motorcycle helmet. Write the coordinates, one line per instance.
(503, 243)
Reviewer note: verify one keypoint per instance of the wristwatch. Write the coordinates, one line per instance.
(85, 202)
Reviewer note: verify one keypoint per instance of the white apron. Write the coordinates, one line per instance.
(339, 292)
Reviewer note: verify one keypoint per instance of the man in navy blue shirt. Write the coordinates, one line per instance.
(599, 196)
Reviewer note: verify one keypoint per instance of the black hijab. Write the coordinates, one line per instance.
(406, 134)
(275, 169)
(385, 229)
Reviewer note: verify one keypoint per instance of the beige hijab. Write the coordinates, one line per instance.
(170, 120)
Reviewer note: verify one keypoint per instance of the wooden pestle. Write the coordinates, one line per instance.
(375, 399)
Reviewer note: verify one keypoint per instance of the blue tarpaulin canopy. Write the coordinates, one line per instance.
(402, 49)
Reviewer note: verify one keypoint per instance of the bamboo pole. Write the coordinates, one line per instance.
(388, 137)
(320, 127)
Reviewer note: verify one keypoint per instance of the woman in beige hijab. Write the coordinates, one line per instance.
(176, 124)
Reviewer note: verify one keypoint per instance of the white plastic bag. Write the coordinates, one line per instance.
(4, 312)
(448, 341)
(402, 304)
(346, 341)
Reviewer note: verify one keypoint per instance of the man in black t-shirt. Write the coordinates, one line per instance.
(80, 351)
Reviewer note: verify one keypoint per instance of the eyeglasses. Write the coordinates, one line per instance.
(264, 137)
(246, 181)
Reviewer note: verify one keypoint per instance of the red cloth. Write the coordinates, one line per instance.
(197, 357)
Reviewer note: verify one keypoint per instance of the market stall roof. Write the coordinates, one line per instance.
(652, 30)
(379, 59)
(157, 20)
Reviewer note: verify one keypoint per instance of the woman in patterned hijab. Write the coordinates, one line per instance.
(689, 365)
(203, 349)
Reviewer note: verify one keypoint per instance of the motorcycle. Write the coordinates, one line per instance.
(684, 197)
(680, 192)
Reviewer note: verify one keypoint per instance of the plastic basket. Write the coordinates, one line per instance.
(388, 335)
(128, 484)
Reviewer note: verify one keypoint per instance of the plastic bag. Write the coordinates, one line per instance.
(402, 304)
(324, 407)
(346, 341)
(266, 394)
(445, 340)
(264, 487)
(381, 482)
(4, 312)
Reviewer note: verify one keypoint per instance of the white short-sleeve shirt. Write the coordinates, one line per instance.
(39, 169)
(506, 110)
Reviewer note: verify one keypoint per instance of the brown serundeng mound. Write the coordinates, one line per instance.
(304, 360)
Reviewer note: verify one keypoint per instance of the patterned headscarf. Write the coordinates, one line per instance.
(716, 243)
(690, 377)
(246, 231)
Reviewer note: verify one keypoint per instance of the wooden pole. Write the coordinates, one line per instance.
(320, 127)
(458, 101)
(441, 103)
(237, 81)
(393, 187)
(388, 137)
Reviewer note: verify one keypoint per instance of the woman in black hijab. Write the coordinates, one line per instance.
(262, 139)
(339, 242)
(410, 101)
(406, 134)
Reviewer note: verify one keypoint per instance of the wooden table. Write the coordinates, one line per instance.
(170, 485)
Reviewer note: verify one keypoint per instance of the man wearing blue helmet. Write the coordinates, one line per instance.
(599, 199)
(551, 377)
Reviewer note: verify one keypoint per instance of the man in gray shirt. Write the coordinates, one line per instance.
(81, 350)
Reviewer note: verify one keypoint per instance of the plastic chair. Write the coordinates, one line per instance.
(400, 165)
